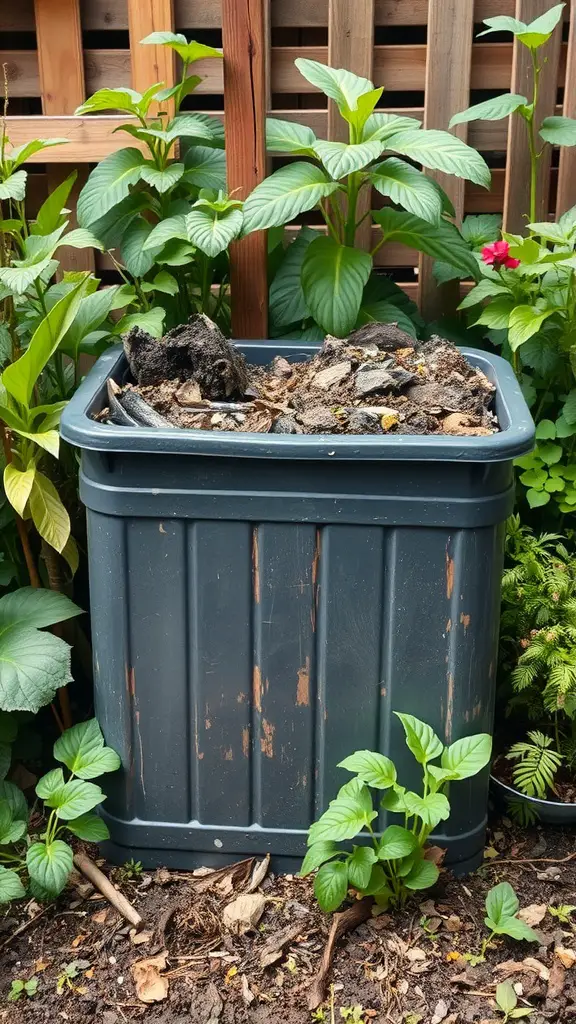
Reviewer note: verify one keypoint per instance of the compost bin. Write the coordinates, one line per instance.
(262, 603)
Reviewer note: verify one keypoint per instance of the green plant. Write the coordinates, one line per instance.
(67, 975)
(537, 764)
(395, 863)
(562, 912)
(502, 907)
(132, 869)
(21, 988)
(46, 860)
(324, 282)
(507, 1002)
(163, 215)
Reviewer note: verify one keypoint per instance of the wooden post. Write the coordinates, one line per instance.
(517, 188)
(567, 168)
(244, 35)
(351, 46)
(61, 65)
(150, 64)
(448, 64)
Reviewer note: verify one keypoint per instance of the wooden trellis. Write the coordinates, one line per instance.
(59, 51)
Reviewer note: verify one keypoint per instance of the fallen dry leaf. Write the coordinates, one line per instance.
(40, 966)
(100, 917)
(490, 853)
(533, 914)
(415, 954)
(440, 1012)
(243, 914)
(89, 973)
(259, 873)
(78, 941)
(567, 957)
(162, 876)
(428, 908)
(541, 970)
(433, 924)
(556, 982)
(138, 938)
(453, 923)
(247, 995)
(435, 854)
(151, 987)
(274, 945)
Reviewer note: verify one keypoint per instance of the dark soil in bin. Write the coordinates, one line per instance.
(377, 381)
(409, 967)
(564, 782)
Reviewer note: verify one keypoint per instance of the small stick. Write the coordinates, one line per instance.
(341, 923)
(537, 860)
(23, 927)
(99, 880)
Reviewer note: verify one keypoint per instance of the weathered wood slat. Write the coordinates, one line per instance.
(244, 39)
(517, 195)
(450, 27)
(351, 46)
(567, 168)
(399, 68)
(150, 64)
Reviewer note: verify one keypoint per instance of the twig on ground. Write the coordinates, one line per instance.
(104, 885)
(344, 922)
(535, 860)
(23, 928)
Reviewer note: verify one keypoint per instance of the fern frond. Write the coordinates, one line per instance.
(537, 764)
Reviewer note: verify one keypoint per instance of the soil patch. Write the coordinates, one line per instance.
(377, 381)
(564, 790)
(207, 961)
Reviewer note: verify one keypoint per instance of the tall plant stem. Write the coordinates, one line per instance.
(534, 155)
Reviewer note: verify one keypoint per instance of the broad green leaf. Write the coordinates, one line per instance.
(396, 842)
(317, 855)
(497, 314)
(109, 183)
(442, 241)
(536, 499)
(289, 137)
(393, 800)
(205, 168)
(341, 159)
(501, 902)
(16, 801)
(50, 865)
(374, 769)
(409, 188)
(378, 884)
(137, 256)
(76, 798)
(468, 756)
(18, 484)
(165, 230)
(362, 110)
(490, 110)
(11, 887)
(81, 238)
(38, 607)
(502, 23)
(14, 187)
(181, 89)
(20, 377)
(358, 792)
(20, 154)
(331, 885)
(569, 408)
(550, 453)
(110, 99)
(481, 228)
(50, 786)
(48, 513)
(10, 830)
(340, 85)
(50, 214)
(539, 31)
(188, 51)
(91, 314)
(441, 151)
(285, 194)
(287, 302)
(559, 131)
(89, 827)
(431, 809)
(545, 430)
(210, 230)
(484, 290)
(421, 739)
(506, 996)
(81, 748)
(333, 280)
(383, 126)
(163, 180)
(515, 928)
(163, 282)
(423, 875)
(552, 232)
(49, 440)
(151, 321)
(344, 819)
(383, 312)
(524, 322)
(360, 866)
(18, 278)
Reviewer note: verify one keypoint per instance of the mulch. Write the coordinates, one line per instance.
(411, 967)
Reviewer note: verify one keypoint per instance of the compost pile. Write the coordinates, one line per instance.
(376, 381)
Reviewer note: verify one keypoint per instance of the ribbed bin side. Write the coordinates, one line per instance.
(237, 662)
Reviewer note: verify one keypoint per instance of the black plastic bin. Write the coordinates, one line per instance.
(262, 603)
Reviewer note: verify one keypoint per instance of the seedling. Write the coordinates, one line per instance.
(395, 863)
(353, 1014)
(501, 917)
(21, 988)
(69, 973)
(131, 870)
(562, 912)
(431, 933)
(507, 1001)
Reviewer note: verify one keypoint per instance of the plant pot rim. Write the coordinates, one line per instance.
(517, 795)
(515, 438)
(550, 812)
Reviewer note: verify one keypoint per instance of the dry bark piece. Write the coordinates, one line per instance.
(386, 336)
(188, 393)
(243, 914)
(567, 957)
(274, 945)
(259, 873)
(331, 376)
(151, 986)
(343, 922)
(238, 872)
(116, 412)
(281, 367)
(142, 413)
(556, 981)
(247, 995)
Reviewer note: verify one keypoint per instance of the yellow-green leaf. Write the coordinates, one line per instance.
(49, 440)
(48, 513)
(70, 554)
(18, 485)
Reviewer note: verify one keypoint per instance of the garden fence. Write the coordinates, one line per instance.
(425, 52)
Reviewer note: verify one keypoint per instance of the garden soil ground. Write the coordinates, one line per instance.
(405, 968)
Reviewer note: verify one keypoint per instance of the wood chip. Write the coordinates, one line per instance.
(331, 376)
(274, 945)
(151, 986)
(557, 981)
(243, 914)
(567, 957)
(247, 995)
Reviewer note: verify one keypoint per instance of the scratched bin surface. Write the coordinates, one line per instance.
(260, 609)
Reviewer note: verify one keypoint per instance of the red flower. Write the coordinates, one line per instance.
(497, 255)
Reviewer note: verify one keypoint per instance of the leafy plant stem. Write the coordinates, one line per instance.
(354, 183)
(327, 218)
(534, 155)
(20, 524)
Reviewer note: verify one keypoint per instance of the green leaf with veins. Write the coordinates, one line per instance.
(421, 739)
(409, 188)
(283, 195)
(289, 137)
(341, 159)
(333, 280)
(50, 865)
(490, 110)
(331, 885)
(83, 751)
(318, 854)
(373, 768)
(360, 866)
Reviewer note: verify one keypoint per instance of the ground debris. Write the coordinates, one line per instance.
(243, 914)
(195, 378)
